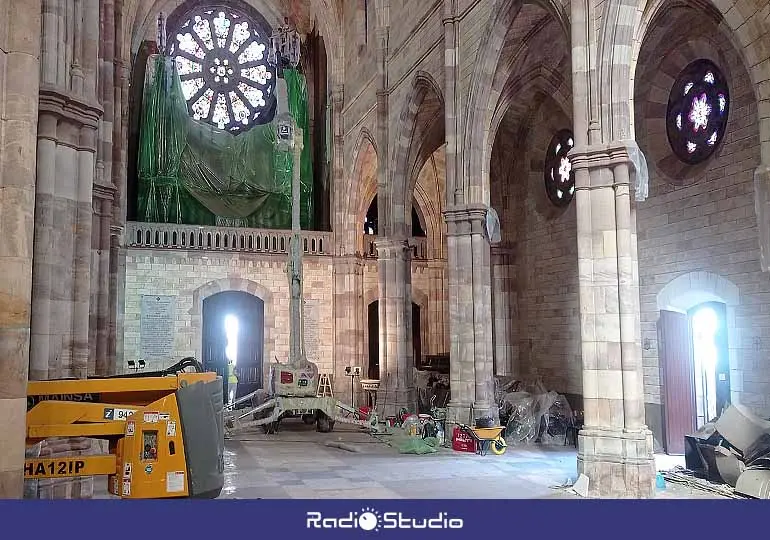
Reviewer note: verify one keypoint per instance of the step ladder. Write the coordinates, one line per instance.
(324, 386)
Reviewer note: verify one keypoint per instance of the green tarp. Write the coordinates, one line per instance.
(193, 173)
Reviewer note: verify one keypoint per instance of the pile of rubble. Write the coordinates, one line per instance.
(734, 450)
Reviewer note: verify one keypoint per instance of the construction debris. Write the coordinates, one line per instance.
(733, 452)
(531, 413)
(343, 446)
(680, 475)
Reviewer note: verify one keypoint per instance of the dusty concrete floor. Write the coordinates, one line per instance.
(296, 463)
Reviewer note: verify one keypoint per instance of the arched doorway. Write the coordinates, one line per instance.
(693, 335)
(373, 319)
(694, 369)
(234, 332)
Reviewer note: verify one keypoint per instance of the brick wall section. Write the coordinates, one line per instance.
(704, 220)
(181, 273)
(544, 246)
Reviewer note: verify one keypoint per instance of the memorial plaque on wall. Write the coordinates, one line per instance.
(312, 334)
(157, 326)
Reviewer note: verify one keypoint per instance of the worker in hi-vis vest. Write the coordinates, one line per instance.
(232, 381)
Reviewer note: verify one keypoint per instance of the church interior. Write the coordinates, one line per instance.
(570, 194)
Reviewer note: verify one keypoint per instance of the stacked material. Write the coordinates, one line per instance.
(734, 450)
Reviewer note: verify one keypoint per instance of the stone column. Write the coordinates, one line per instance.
(396, 355)
(117, 300)
(349, 322)
(19, 52)
(43, 269)
(62, 265)
(81, 263)
(100, 324)
(615, 447)
(470, 314)
(504, 310)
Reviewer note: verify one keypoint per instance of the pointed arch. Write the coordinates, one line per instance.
(359, 188)
(480, 99)
(749, 35)
(421, 132)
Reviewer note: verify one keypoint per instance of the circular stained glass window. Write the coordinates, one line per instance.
(559, 176)
(698, 108)
(221, 57)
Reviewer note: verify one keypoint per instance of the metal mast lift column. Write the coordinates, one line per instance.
(293, 386)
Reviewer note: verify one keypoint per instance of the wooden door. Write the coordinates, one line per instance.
(250, 312)
(251, 344)
(677, 378)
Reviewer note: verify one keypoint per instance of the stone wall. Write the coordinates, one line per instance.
(698, 225)
(540, 246)
(186, 274)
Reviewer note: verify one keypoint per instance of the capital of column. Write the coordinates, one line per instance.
(104, 191)
(597, 157)
(502, 253)
(392, 248)
(348, 264)
(69, 107)
(466, 219)
(338, 94)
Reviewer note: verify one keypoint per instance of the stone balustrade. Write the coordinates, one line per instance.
(419, 247)
(232, 239)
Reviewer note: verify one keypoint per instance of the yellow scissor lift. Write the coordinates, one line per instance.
(164, 431)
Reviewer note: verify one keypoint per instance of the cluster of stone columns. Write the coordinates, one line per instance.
(350, 320)
(394, 271)
(20, 54)
(470, 315)
(615, 446)
(61, 287)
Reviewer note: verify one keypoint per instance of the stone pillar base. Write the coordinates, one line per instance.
(392, 400)
(619, 464)
(486, 409)
(460, 413)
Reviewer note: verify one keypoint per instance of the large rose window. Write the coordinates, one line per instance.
(559, 176)
(697, 113)
(221, 56)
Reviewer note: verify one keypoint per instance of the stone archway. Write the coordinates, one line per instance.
(232, 284)
(679, 358)
(687, 291)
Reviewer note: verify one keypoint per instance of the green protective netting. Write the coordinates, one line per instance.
(193, 173)
(406, 444)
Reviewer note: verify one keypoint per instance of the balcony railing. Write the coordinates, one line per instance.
(419, 247)
(231, 239)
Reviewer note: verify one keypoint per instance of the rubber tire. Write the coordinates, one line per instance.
(309, 419)
(324, 424)
(498, 446)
